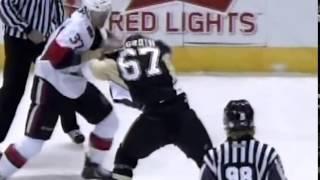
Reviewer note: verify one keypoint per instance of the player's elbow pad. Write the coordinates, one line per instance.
(60, 57)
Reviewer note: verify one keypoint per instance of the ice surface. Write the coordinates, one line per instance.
(286, 117)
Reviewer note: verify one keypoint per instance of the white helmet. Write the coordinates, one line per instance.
(97, 5)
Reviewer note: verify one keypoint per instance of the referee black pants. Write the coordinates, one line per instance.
(19, 54)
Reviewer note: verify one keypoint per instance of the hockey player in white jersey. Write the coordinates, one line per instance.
(242, 157)
(59, 82)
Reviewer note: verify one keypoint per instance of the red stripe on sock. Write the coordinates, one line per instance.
(15, 157)
(100, 143)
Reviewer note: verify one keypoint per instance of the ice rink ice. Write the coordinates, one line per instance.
(286, 117)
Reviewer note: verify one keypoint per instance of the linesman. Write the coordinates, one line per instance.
(28, 24)
(242, 157)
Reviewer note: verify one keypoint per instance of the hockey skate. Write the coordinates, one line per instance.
(120, 177)
(93, 170)
(122, 172)
(76, 136)
(116, 176)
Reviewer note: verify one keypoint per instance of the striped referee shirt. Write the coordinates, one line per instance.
(242, 160)
(22, 16)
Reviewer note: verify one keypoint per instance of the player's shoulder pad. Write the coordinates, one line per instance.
(163, 46)
(76, 32)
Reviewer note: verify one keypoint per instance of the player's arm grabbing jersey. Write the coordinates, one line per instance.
(107, 70)
(74, 37)
(245, 160)
(60, 63)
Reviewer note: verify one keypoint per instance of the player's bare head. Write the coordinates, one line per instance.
(239, 119)
(99, 11)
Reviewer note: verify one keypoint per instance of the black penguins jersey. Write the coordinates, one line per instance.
(144, 65)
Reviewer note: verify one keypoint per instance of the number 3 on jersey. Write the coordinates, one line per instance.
(243, 173)
(131, 69)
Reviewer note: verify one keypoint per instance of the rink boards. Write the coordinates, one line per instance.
(240, 59)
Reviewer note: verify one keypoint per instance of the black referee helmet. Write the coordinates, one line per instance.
(239, 118)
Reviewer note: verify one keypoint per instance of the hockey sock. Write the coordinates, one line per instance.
(101, 138)
(98, 148)
(16, 156)
(107, 127)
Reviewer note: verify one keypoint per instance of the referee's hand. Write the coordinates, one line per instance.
(36, 37)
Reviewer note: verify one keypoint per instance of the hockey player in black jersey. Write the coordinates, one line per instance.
(241, 157)
(144, 65)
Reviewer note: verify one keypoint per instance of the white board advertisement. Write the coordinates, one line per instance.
(195, 22)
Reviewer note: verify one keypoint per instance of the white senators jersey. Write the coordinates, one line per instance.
(60, 62)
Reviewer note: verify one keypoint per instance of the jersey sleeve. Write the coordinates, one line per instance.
(10, 16)
(209, 169)
(166, 56)
(113, 55)
(275, 170)
(98, 39)
(207, 174)
(64, 50)
(106, 70)
(165, 49)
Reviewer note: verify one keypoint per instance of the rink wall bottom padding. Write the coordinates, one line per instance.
(249, 59)
(242, 59)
